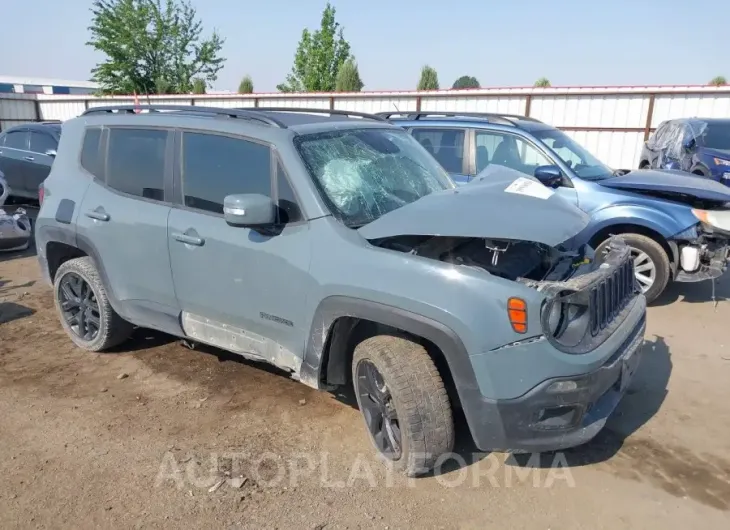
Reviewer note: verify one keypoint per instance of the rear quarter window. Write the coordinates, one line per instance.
(91, 159)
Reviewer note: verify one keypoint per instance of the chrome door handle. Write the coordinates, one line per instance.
(99, 216)
(188, 240)
(28, 158)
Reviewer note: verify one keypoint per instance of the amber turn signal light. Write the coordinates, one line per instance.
(517, 311)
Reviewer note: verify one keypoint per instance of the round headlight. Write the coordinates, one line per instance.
(555, 319)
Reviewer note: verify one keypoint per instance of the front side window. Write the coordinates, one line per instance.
(42, 142)
(446, 145)
(366, 173)
(214, 166)
(508, 150)
(574, 155)
(17, 140)
(136, 162)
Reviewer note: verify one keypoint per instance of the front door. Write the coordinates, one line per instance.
(123, 218)
(240, 289)
(515, 152)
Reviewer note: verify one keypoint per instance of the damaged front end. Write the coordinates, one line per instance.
(584, 302)
(703, 250)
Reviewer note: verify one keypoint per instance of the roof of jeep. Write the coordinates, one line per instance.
(298, 121)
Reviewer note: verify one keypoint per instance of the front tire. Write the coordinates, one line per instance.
(651, 263)
(84, 309)
(404, 403)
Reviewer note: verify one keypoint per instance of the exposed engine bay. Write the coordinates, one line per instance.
(512, 260)
(702, 253)
(584, 297)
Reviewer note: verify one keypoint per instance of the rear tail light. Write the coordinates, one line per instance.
(41, 192)
(517, 311)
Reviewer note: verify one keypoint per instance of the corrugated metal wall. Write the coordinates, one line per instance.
(611, 122)
(16, 109)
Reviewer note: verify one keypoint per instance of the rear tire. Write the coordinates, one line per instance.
(414, 398)
(77, 284)
(650, 260)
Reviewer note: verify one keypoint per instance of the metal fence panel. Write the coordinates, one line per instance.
(505, 104)
(16, 109)
(690, 106)
(612, 122)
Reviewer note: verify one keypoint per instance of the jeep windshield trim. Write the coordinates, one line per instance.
(574, 155)
(363, 174)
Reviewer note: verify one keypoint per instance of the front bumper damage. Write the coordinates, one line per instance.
(567, 410)
(701, 253)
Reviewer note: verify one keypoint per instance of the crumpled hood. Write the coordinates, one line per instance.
(679, 182)
(506, 205)
(671, 181)
(719, 153)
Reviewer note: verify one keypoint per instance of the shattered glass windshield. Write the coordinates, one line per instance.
(578, 158)
(366, 173)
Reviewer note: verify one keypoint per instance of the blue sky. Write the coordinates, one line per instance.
(505, 43)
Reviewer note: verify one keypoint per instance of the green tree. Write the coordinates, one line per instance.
(246, 85)
(348, 77)
(318, 58)
(543, 82)
(429, 79)
(147, 41)
(199, 85)
(718, 81)
(466, 81)
(162, 86)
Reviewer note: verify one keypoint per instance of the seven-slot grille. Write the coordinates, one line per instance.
(610, 296)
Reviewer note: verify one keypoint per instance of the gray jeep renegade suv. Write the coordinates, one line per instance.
(332, 245)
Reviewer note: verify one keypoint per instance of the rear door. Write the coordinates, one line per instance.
(449, 146)
(42, 145)
(13, 153)
(124, 218)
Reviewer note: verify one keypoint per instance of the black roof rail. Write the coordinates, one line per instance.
(497, 117)
(247, 114)
(332, 112)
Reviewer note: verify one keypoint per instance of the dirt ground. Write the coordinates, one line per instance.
(141, 437)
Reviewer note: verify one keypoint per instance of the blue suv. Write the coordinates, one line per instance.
(664, 216)
(699, 146)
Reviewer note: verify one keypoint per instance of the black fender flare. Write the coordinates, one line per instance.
(443, 337)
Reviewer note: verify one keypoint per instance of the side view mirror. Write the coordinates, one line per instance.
(689, 144)
(251, 210)
(51, 152)
(550, 176)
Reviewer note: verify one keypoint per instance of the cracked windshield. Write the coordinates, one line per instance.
(366, 173)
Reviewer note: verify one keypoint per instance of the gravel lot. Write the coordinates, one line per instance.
(141, 437)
